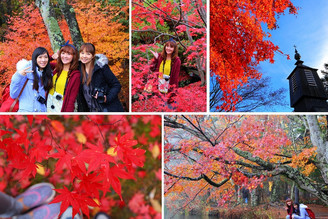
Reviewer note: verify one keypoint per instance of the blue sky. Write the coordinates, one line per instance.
(308, 30)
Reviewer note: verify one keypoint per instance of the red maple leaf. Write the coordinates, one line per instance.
(75, 199)
(96, 157)
(112, 175)
(64, 157)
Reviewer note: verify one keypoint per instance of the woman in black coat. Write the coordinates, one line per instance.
(99, 87)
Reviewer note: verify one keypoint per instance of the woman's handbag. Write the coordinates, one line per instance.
(163, 84)
(9, 104)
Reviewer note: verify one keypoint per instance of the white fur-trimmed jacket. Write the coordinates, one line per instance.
(28, 100)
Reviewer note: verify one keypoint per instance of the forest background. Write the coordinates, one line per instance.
(26, 25)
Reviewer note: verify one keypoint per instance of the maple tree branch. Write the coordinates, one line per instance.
(229, 126)
(202, 12)
(174, 124)
(174, 21)
(199, 130)
(184, 177)
(99, 129)
(249, 156)
(102, 136)
(163, 17)
(202, 176)
(154, 31)
(220, 159)
(194, 160)
(302, 181)
(52, 136)
(173, 184)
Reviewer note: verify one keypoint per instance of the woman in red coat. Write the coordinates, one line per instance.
(66, 80)
(290, 208)
(168, 63)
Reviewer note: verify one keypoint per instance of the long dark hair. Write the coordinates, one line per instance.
(74, 64)
(297, 211)
(46, 78)
(88, 47)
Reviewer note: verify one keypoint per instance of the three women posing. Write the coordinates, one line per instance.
(98, 91)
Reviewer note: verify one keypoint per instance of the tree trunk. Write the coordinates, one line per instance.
(199, 60)
(322, 146)
(297, 195)
(275, 191)
(73, 26)
(53, 29)
(239, 198)
(292, 191)
(254, 198)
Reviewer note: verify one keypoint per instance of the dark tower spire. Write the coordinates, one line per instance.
(307, 93)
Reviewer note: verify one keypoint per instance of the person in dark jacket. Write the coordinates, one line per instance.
(99, 87)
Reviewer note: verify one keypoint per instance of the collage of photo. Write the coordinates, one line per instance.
(175, 109)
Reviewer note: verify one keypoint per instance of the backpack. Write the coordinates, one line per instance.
(310, 213)
(8, 104)
(6, 101)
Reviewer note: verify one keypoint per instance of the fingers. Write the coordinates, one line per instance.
(96, 96)
(154, 53)
(55, 55)
(24, 71)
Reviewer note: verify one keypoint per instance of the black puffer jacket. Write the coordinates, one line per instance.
(104, 79)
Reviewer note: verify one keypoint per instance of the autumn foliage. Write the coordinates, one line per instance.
(239, 41)
(95, 162)
(27, 32)
(209, 158)
(153, 23)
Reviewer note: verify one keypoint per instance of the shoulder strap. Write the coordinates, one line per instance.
(16, 100)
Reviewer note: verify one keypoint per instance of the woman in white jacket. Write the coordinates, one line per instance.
(37, 75)
(300, 212)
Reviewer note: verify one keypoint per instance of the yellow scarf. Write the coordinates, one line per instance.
(167, 67)
(59, 85)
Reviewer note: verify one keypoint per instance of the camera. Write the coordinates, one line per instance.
(41, 99)
(166, 77)
(101, 95)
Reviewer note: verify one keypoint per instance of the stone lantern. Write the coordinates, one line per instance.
(307, 93)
